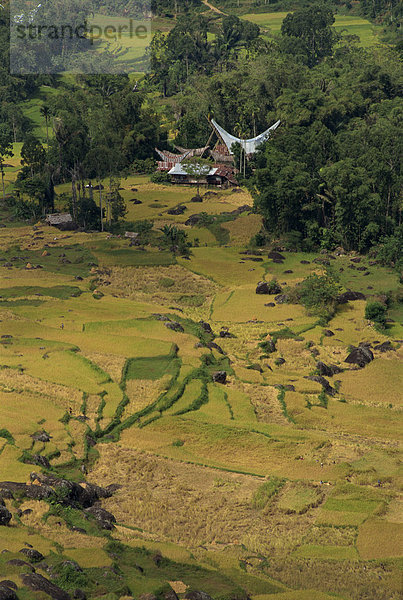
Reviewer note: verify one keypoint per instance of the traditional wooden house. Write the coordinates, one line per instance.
(218, 175)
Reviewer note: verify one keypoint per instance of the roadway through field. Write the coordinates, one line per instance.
(213, 8)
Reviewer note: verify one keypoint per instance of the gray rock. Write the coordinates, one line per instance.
(7, 593)
(327, 370)
(175, 326)
(360, 356)
(220, 377)
(103, 517)
(350, 296)
(5, 516)
(38, 583)
(32, 555)
(384, 347)
(275, 255)
(323, 382)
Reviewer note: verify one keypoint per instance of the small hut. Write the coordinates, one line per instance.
(63, 221)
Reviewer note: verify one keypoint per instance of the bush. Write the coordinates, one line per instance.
(318, 293)
(160, 177)
(376, 312)
(146, 165)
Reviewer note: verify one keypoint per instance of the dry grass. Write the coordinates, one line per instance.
(379, 384)
(242, 229)
(192, 505)
(60, 395)
(110, 363)
(142, 392)
(141, 282)
(379, 539)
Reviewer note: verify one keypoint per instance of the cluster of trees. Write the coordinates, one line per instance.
(187, 51)
(331, 174)
(98, 130)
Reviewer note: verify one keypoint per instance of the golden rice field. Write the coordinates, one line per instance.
(86, 357)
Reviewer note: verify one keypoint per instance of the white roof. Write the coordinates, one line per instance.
(250, 145)
(179, 169)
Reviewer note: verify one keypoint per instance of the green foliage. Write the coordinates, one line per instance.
(390, 249)
(308, 34)
(318, 293)
(4, 433)
(160, 177)
(376, 312)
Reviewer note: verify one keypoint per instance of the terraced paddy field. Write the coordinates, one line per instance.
(163, 427)
(367, 32)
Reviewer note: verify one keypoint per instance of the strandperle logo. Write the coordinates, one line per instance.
(92, 33)
(60, 36)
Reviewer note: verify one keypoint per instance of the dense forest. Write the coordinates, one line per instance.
(330, 176)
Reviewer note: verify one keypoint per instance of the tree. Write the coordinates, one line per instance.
(311, 31)
(46, 113)
(197, 168)
(376, 312)
(6, 151)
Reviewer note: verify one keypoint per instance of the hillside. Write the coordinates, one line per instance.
(254, 487)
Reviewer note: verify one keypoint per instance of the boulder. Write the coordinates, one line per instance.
(220, 377)
(103, 517)
(355, 259)
(384, 347)
(350, 296)
(38, 583)
(305, 262)
(193, 220)
(328, 332)
(5, 515)
(327, 370)
(323, 382)
(262, 288)
(360, 356)
(32, 555)
(270, 304)
(224, 333)
(214, 346)
(7, 593)
(169, 595)
(175, 326)
(275, 255)
(8, 583)
(196, 199)
(18, 562)
(79, 594)
(160, 317)
(206, 326)
(178, 210)
(280, 361)
(195, 595)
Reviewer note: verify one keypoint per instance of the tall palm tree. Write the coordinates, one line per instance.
(46, 113)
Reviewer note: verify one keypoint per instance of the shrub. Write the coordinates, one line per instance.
(318, 293)
(376, 312)
(160, 177)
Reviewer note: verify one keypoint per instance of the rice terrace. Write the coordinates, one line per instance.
(201, 323)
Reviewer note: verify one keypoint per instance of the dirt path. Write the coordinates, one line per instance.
(213, 8)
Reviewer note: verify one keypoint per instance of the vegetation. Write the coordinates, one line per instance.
(234, 450)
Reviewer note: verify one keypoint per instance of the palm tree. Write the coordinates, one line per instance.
(46, 113)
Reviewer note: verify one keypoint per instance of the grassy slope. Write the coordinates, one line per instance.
(192, 454)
